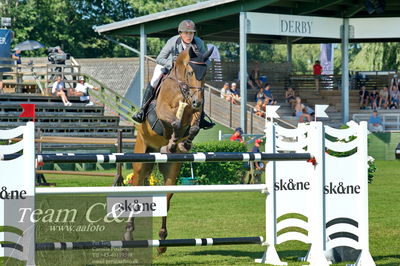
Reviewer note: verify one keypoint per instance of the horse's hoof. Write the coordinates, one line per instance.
(184, 147)
(164, 149)
(161, 250)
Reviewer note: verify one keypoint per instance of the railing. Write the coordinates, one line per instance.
(40, 76)
(390, 122)
(118, 103)
(255, 123)
(328, 82)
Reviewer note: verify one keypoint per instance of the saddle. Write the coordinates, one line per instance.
(151, 115)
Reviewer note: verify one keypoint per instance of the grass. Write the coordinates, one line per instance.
(238, 214)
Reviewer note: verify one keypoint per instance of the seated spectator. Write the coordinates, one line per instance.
(364, 97)
(269, 99)
(260, 95)
(58, 90)
(375, 122)
(308, 110)
(299, 109)
(235, 94)
(82, 90)
(254, 79)
(290, 96)
(384, 98)
(237, 136)
(373, 99)
(394, 97)
(226, 92)
(258, 108)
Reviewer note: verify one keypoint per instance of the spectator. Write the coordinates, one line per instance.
(237, 136)
(384, 98)
(226, 92)
(17, 56)
(258, 108)
(364, 96)
(256, 148)
(254, 79)
(373, 99)
(375, 122)
(58, 90)
(1, 82)
(269, 99)
(394, 97)
(260, 95)
(82, 90)
(308, 110)
(235, 94)
(317, 71)
(256, 168)
(299, 109)
(290, 97)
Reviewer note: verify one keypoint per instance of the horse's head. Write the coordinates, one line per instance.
(191, 70)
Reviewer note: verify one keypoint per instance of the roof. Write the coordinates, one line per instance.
(218, 20)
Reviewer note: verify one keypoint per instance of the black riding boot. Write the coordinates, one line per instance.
(140, 115)
(204, 124)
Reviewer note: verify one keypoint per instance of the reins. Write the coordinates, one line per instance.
(184, 87)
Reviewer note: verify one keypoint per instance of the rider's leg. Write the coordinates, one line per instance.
(139, 116)
(204, 124)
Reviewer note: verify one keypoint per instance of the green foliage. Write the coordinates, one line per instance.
(67, 23)
(371, 170)
(145, 7)
(216, 173)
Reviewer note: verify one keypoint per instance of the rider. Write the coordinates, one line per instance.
(165, 60)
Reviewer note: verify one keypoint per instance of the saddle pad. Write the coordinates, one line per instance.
(153, 120)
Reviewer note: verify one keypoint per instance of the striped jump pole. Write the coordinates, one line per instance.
(163, 158)
(150, 243)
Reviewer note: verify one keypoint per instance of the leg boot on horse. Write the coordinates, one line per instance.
(140, 115)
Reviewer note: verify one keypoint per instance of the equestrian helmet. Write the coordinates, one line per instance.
(187, 25)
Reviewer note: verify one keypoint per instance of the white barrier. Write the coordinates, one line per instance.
(332, 196)
(329, 201)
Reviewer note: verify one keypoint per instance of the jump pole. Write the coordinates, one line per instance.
(149, 243)
(163, 158)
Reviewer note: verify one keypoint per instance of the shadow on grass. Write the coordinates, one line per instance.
(394, 258)
(289, 255)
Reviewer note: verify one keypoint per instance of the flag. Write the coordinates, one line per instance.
(320, 110)
(28, 110)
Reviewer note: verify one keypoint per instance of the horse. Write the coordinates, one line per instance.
(178, 107)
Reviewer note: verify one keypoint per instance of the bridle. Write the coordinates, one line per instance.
(184, 86)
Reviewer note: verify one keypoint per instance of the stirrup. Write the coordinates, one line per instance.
(204, 124)
(138, 116)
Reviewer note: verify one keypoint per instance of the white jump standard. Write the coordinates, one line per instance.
(332, 194)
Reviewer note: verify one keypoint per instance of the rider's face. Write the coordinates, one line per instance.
(187, 36)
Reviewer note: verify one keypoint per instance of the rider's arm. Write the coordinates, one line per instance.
(165, 56)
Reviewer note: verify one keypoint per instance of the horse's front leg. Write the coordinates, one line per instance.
(194, 129)
(173, 141)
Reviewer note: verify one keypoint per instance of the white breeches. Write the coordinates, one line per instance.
(156, 75)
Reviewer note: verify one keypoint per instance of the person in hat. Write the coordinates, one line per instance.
(254, 168)
(165, 61)
(237, 135)
(82, 90)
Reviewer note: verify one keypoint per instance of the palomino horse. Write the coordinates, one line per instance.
(184, 85)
